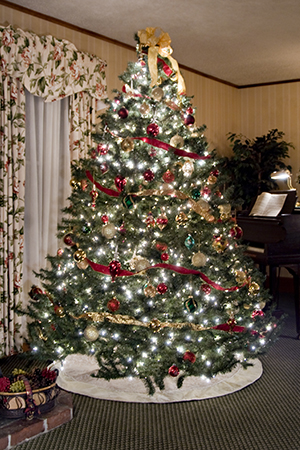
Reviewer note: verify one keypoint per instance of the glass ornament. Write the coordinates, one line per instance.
(127, 144)
(108, 231)
(91, 333)
(157, 94)
(177, 141)
(189, 242)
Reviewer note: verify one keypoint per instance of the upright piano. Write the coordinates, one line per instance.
(274, 242)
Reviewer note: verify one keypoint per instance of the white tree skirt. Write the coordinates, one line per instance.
(75, 376)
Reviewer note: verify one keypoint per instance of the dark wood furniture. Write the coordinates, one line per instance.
(274, 242)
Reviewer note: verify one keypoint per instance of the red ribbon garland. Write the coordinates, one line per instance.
(182, 270)
(165, 146)
(101, 188)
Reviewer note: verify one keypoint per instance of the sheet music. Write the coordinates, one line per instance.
(268, 204)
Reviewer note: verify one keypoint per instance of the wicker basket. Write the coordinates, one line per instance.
(16, 405)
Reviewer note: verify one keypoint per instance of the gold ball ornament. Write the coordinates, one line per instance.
(254, 288)
(79, 255)
(91, 333)
(127, 144)
(157, 94)
(83, 264)
(199, 259)
(181, 219)
(220, 244)
(150, 291)
(144, 108)
(59, 311)
(75, 184)
(262, 305)
(246, 306)
(109, 231)
(177, 141)
(240, 277)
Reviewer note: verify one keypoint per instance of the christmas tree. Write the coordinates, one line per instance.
(151, 278)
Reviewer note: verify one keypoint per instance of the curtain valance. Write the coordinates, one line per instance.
(48, 67)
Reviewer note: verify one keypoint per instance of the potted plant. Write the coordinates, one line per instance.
(247, 172)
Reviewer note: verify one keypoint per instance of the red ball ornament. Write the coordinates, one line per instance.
(162, 288)
(206, 289)
(123, 113)
(189, 356)
(161, 246)
(164, 256)
(173, 371)
(190, 110)
(120, 183)
(104, 218)
(148, 175)
(236, 232)
(168, 176)
(68, 239)
(35, 292)
(114, 269)
(113, 304)
(153, 129)
(102, 149)
(189, 120)
(60, 251)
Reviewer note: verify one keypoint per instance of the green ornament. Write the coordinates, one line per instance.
(128, 202)
(189, 242)
(190, 305)
(85, 229)
(196, 194)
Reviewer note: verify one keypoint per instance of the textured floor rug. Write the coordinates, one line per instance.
(75, 376)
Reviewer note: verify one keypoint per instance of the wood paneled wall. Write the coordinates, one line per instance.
(222, 108)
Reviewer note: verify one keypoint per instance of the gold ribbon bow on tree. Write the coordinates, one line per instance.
(160, 46)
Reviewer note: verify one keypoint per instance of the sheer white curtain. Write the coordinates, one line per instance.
(47, 180)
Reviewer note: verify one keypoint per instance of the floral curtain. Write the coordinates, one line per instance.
(52, 69)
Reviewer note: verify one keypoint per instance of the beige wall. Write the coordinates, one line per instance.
(222, 108)
(275, 106)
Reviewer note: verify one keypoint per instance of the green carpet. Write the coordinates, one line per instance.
(263, 416)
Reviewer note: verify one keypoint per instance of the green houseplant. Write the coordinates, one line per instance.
(248, 171)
